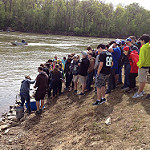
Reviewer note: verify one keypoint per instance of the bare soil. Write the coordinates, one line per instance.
(70, 122)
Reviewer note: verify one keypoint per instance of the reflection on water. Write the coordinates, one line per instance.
(17, 61)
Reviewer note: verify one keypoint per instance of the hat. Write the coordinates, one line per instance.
(126, 48)
(75, 56)
(84, 53)
(27, 77)
(118, 42)
(128, 40)
(123, 42)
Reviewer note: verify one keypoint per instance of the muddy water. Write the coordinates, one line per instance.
(17, 61)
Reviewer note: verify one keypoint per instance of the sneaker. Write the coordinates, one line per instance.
(81, 93)
(37, 113)
(97, 102)
(125, 88)
(40, 111)
(104, 100)
(75, 91)
(148, 96)
(136, 95)
(143, 92)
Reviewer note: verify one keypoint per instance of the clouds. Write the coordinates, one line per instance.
(143, 3)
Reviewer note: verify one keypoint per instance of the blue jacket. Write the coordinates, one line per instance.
(25, 86)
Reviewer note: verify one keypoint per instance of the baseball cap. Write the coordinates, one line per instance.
(84, 53)
(128, 40)
(118, 42)
(126, 48)
(123, 42)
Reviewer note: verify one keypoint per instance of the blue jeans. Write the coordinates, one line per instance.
(25, 97)
(127, 72)
(89, 80)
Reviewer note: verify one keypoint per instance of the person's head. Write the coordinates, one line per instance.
(42, 65)
(69, 60)
(57, 66)
(60, 66)
(133, 38)
(118, 42)
(144, 39)
(126, 50)
(107, 47)
(89, 55)
(75, 58)
(78, 57)
(100, 48)
(89, 48)
(27, 77)
(64, 58)
(84, 54)
(50, 61)
(55, 71)
(40, 69)
(129, 42)
(123, 43)
(55, 57)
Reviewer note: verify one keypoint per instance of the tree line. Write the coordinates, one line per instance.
(74, 17)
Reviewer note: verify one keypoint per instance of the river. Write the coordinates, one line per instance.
(17, 61)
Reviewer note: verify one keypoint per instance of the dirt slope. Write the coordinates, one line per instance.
(70, 122)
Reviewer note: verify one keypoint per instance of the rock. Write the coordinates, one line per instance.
(108, 121)
(6, 131)
(4, 114)
(3, 127)
(11, 117)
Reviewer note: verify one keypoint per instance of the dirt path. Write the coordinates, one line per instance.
(70, 122)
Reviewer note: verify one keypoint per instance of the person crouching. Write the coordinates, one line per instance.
(25, 92)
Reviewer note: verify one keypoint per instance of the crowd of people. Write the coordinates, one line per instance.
(101, 67)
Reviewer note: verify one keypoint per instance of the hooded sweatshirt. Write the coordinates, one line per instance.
(144, 56)
(42, 82)
(25, 86)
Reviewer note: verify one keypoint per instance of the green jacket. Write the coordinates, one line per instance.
(144, 56)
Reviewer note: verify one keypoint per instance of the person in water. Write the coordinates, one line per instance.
(25, 92)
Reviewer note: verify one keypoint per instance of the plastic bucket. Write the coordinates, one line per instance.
(19, 112)
(33, 106)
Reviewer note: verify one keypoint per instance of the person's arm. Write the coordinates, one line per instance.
(111, 48)
(100, 67)
(96, 62)
(37, 82)
(31, 82)
(141, 58)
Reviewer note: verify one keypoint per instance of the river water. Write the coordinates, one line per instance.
(17, 61)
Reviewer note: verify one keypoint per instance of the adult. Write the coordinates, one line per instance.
(25, 92)
(83, 68)
(90, 72)
(41, 85)
(116, 53)
(103, 73)
(143, 64)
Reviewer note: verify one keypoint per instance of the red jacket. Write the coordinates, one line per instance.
(133, 59)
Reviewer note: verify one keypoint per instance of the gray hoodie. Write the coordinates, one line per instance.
(25, 86)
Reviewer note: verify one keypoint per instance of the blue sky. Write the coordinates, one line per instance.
(144, 3)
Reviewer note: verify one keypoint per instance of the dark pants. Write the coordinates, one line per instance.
(56, 85)
(68, 79)
(132, 79)
(120, 75)
(111, 80)
(25, 97)
(89, 80)
(127, 72)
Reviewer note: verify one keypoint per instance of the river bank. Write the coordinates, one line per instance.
(70, 122)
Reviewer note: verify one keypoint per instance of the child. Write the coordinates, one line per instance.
(133, 59)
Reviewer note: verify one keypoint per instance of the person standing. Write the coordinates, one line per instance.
(143, 64)
(103, 74)
(41, 85)
(25, 92)
(90, 72)
(83, 68)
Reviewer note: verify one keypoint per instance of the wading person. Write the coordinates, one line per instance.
(25, 92)
(83, 68)
(41, 85)
(103, 74)
(143, 64)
